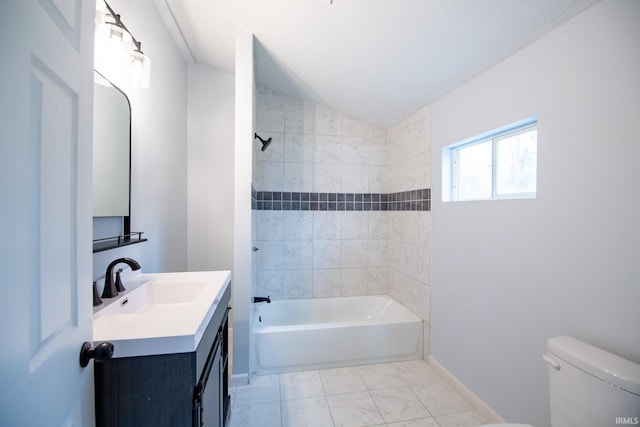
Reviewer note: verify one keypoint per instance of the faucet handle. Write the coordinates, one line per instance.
(119, 285)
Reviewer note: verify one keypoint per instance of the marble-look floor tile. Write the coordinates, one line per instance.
(440, 399)
(398, 404)
(354, 410)
(341, 380)
(380, 376)
(260, 393)
(416, 372)
(462, 419)
(422, 422)
(308, 412)
(259, 414)
(265, 379)
(296, 385)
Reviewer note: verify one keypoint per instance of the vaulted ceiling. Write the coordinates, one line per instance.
(377, 60)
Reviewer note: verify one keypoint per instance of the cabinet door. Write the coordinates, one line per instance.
(211, 415)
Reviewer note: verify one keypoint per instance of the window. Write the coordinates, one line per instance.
(497, 165)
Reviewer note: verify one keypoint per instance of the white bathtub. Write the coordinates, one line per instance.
(333, 332)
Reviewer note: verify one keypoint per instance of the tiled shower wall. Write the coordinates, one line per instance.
(326, 253)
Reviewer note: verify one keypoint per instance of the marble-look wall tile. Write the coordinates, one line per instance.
(270, 256)
(354, 150)
(299, 148)
(298, 225)
(327, 150)
(354, 127)
(298, 284)
(327, 178)
(270, 118)
(379, 176)
(354, 253)
(378, 281)
(409, 220)
(294, 118)
(354, 225)
(423, 273)
(395, 226)
(424, 229)
(298, 254)
(378, 253)
(269, 176)
(355, 179)
(326, 282)
(269, 225)
(326, 254)
(378, 225)
(298, 177)
(326, 121)
(327, 225)
(354, 281)
(270, 282)
(410, 292)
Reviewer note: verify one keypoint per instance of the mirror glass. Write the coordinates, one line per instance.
(111, 150)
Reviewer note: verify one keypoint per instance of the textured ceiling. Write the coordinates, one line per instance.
(377, 60)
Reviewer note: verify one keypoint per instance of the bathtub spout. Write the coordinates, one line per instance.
(262, 299)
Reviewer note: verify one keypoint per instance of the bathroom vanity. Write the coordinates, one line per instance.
(170, 365)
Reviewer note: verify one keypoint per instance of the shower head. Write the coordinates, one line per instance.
(265, 144)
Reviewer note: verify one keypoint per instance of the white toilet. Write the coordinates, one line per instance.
(589, 387)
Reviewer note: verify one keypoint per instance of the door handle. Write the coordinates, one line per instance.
(102, 352)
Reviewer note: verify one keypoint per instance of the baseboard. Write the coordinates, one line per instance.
(238, 380)
(481, 406)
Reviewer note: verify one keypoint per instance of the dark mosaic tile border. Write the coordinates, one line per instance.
(414, 200)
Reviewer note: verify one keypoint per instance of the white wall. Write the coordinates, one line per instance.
(210, 168)
(158, 148)
(507, 275)
(243, 224)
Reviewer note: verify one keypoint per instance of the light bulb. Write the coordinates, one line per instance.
(140, 69)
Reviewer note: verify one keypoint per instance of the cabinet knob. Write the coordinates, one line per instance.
(102, 352)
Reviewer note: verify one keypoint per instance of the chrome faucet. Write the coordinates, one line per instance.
(110, 289)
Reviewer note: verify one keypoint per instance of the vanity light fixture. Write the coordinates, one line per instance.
(118, 54)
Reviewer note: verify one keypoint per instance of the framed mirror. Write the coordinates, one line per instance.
(111, 167)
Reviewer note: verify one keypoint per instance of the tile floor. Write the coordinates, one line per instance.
(398, 394)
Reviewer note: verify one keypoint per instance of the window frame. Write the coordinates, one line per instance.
(451, 154)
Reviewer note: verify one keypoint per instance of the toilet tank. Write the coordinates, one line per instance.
(590, 387)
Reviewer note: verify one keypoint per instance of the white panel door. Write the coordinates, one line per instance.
(45, 219)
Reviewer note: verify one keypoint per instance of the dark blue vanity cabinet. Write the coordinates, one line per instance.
(181, 389)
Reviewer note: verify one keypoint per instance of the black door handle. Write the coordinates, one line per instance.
(102, 353)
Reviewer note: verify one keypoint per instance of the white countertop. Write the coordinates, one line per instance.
(178, 330)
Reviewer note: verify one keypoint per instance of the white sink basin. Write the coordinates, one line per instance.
(160, 313)
(156, 296)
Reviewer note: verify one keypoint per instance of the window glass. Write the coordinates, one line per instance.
(474, 171)
(499, 164)
(516, 162)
